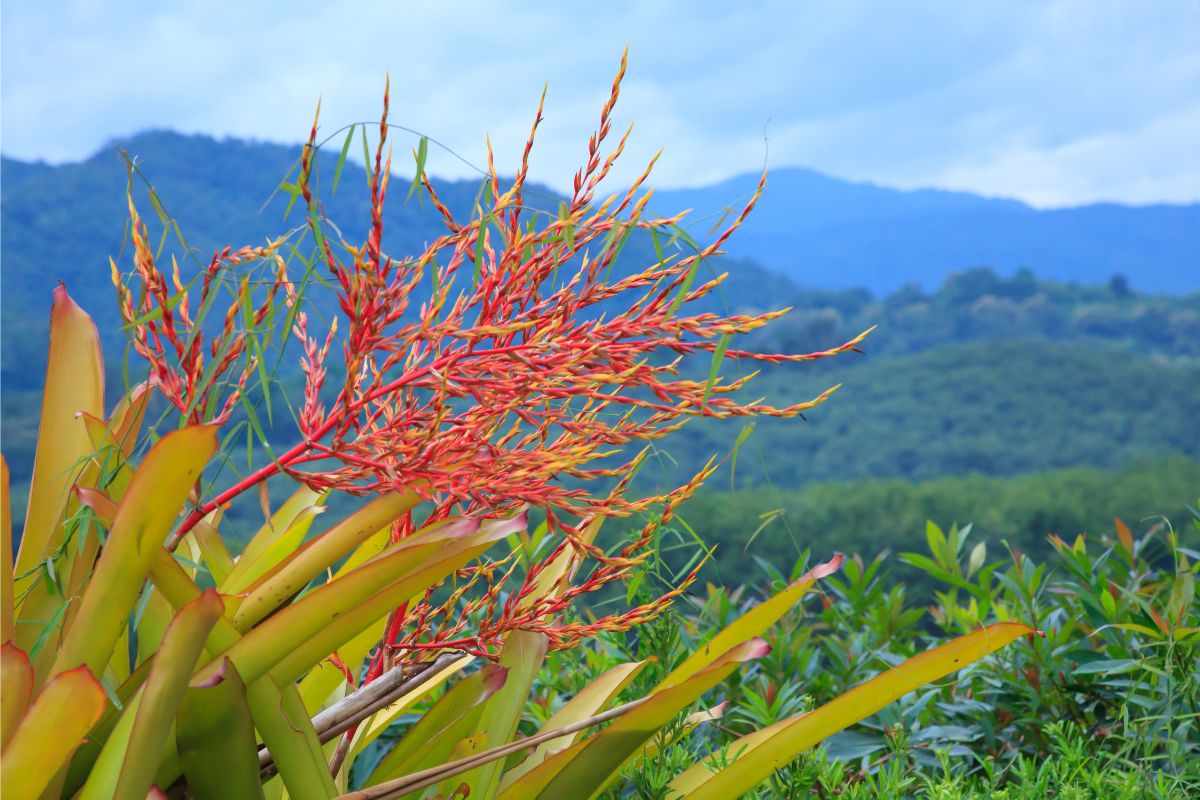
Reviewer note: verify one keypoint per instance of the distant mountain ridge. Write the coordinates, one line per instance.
(822, 231)
(969, 371)
(816, 230)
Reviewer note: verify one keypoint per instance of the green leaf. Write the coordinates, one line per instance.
(522, 656)
(715, 368)
(293, 191)
(341, 162)
(287, 731)
(422, 154)
(131, 756)
(216, 741)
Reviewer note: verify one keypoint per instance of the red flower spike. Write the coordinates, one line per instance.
(507, 378)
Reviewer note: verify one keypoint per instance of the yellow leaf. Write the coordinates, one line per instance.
(62, 713)
(16, 683)
(144, 518)
(74, 383)
(301, 566)
(589, 701)
(290, 522)
(754, 622)
(756, 756)
(587, 767)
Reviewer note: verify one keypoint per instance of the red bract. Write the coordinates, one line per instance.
(526, 365)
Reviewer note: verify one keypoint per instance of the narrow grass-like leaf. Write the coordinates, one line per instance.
(422, 154)
(341, 162)
(714, 369)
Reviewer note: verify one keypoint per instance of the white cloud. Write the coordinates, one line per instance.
(1058, 102)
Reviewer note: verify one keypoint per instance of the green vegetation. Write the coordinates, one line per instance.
(977, 304)
(996, 408)
(1106, 704)
(391, 651)
(872, 516)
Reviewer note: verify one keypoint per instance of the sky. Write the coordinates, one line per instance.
(1056, 103)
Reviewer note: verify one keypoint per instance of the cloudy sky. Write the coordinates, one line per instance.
(1056, 103)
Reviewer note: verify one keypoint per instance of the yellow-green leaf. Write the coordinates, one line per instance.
(61, 715)
(215, 737)
(144, 518)
(753, 623)
(453, 717)
(131, 756)
(370, 729)
(754, 757)
(16, 684)
(288, 525)
(298, 569)
(587, 767)
(74, 383)
(589, 701)
(280, 716)
(308, 630)
(213, 551)
(522, 655)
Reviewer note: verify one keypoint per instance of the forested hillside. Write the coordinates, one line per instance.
(974, 381)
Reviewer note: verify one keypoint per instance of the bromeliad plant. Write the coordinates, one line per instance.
(458, 416)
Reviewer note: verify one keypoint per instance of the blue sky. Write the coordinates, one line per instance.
(1056, 103)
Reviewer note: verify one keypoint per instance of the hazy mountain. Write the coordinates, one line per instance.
(63, 222)
(821, 231)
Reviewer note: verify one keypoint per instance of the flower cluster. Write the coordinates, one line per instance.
(504, 368)
(164, 333)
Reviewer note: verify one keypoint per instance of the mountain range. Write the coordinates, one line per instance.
(845, 255)
(821, 231)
